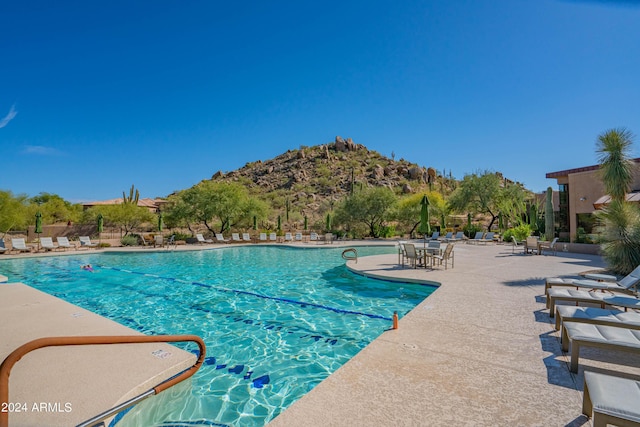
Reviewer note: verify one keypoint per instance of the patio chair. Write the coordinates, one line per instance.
(446, 256)
(86, 241)
(551, 246)
(20, 245)
(158, 241)
(515, 244)
(531, 245)
(46, 243)
(611, 400)
(578, 335)
(63, 242)
(628, 284)
(411, 254)
(246, 237)
(202, 240)
(220, 238)
(328, 238)
(3, 248)
(578, 296)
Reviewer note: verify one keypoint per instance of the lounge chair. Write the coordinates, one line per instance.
(298, 237)
(46, 243)
(287, 237)
(220, 238)
(246, 237)
(435, 235)
(459, 236)
(596, 316)
(235, 237)
(578, 296)
(577, 335)
(63, 242)
(488, 238)
(202, 240)
(273, 237)
(263, 237)
(313, 237)
(20, 245)
(624, 285)
(446, 256)
(158, 241)
(328, 238)
(611, 400)
(3, 248)
(550, 246)
(86, 241)
(476, 238)
(447, 236)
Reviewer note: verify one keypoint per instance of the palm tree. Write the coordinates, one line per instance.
(620, 220)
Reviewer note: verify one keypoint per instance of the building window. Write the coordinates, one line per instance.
(563, 208)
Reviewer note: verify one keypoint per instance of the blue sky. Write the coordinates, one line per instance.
(96, 96)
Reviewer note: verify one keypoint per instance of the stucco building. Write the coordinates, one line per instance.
(580, 194)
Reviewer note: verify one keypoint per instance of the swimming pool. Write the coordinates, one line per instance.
(276, 320)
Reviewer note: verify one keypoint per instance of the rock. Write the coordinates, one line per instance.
(389, 170)
(340, 144)
(300, 154)
(217, 175)
(351, 146)
(406, 189)
(415, 173)
(431, 172)
(270, 169)
(378, 172)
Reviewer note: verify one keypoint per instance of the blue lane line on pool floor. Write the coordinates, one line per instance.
(257, 295)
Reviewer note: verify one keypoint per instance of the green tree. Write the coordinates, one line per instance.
(371, 207)
(127, 216)
(55, 209)
(212, 203)
(478, 193)
(408, 210)
(13, 212)
(620, 220)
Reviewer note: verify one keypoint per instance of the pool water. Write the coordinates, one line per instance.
(277, 321)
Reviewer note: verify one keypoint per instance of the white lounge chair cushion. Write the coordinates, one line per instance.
(617, 397)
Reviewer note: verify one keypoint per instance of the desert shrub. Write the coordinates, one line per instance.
(520, 232)
(471, 230)
(130, 240)
(507, 235)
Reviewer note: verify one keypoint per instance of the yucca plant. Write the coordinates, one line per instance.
(620, 220)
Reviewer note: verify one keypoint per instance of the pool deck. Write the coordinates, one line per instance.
(480, 351)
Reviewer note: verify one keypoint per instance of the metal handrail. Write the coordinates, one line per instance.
(17, 354)
(354, 256)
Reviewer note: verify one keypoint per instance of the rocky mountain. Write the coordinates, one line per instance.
(311, 179)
